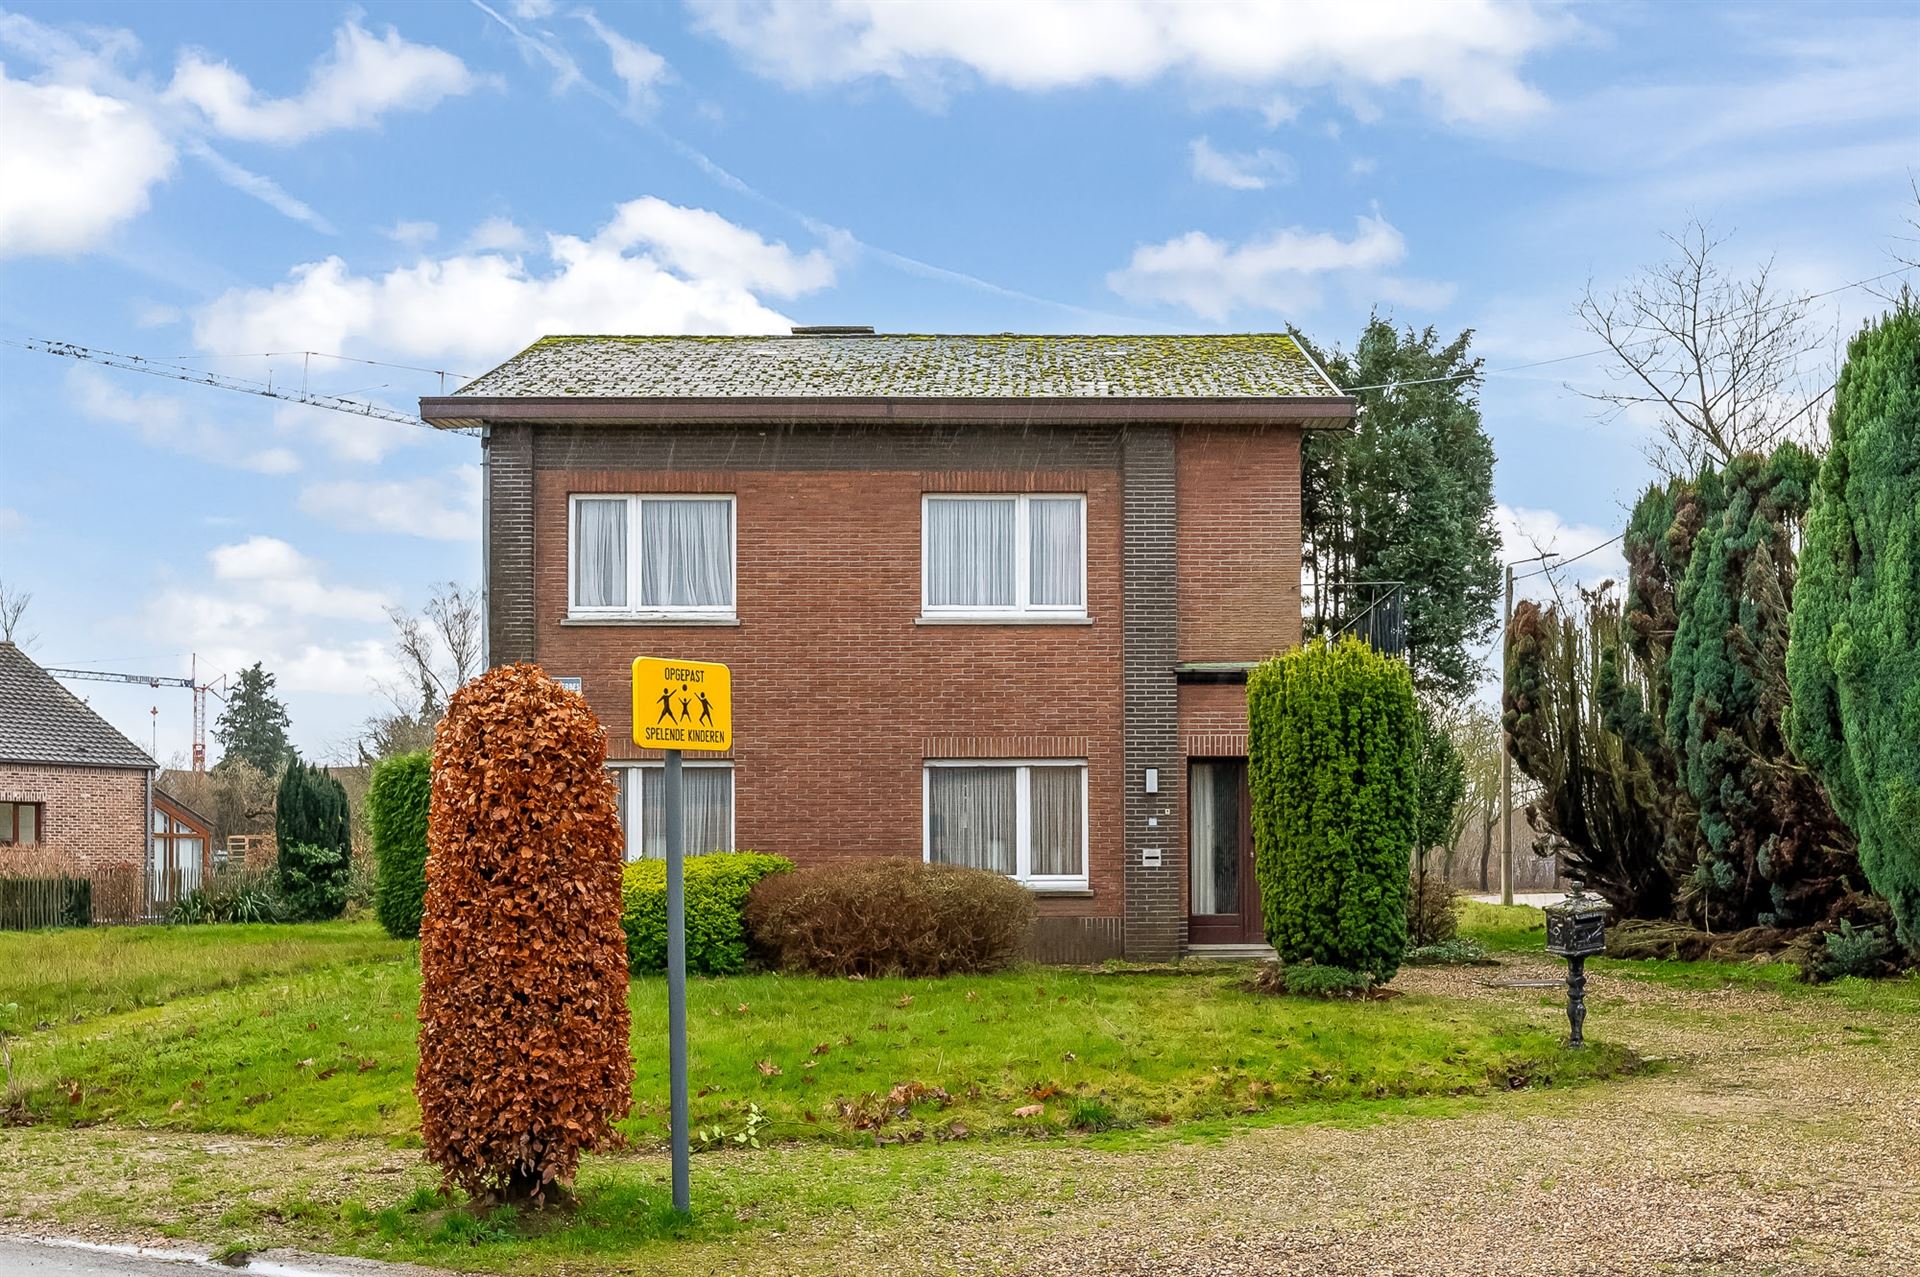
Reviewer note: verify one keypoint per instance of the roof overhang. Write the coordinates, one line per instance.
(467, 411)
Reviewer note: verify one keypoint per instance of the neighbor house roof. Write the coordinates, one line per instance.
(42, 722)
(1239, 375)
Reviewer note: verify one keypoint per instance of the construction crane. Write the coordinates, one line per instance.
(215, 685)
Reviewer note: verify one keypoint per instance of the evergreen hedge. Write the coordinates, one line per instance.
(1853, 660)
(398, 798)
(1333, 757)
(717, 888)
(313, 841)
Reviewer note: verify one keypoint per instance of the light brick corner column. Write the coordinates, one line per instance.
(1156, 924)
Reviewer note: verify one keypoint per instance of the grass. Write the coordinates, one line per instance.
(331, 1052)
(64, 976)
(1504, 928)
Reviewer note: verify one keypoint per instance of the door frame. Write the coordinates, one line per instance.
(1247, 925)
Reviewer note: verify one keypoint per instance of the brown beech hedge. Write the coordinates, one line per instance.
(524, 1059)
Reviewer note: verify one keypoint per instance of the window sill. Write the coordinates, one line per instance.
(661, 619)
(992, 618)
(1061, 893)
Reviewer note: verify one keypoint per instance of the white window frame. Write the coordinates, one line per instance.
(1023, 817)
(636, 840)
(633, 610)
(1022, 607)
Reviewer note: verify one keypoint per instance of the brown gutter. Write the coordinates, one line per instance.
(468, 411)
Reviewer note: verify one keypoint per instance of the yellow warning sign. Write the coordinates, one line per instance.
(682, 704)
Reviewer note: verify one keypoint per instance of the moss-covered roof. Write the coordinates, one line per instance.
(995, 366)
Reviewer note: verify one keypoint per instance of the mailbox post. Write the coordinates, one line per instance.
(1576, 930)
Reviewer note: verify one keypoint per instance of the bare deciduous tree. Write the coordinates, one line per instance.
(1720, 362)
(13, 605)
(438, 649)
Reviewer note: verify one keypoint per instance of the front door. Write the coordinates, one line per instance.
(1223, 902)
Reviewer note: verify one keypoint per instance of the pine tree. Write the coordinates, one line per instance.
(1407, 495)
(1853, 662)
(253, 726)
(313, 840)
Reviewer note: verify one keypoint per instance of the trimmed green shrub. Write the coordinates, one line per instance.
(1333, 744)
(717, 888)
(1853, 659)
(314, 843)
(891, 917)
(313, 882)
(398, 798)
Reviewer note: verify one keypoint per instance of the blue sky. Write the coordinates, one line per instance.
(434, 184)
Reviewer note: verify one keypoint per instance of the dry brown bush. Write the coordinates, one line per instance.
(890, 917)
(524, 1057)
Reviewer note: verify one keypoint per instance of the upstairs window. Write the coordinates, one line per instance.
(1012, 556)
(653, 557)
(19, 824)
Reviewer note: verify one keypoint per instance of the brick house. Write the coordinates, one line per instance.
(987, 599)
(78, 798)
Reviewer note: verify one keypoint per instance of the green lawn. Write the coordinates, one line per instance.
(330, 1051)
(1504, 928)
(61, 976)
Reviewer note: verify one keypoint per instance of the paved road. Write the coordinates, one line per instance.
(42, 1259)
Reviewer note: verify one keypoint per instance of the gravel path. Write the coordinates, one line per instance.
(1785, 1139)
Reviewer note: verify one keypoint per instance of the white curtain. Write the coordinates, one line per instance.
(970, 552)
(972, 817)
(1213, 838)
(600, 553)
(1055, 537)
(686, 554)
(706, 796)
(1054, 814)
(622, 776)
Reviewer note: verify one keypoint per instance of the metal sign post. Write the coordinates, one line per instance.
(679, 705)
(677, 979)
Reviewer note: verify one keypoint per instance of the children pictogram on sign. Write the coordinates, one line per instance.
(706, 710)
(682, 704)
(666, 707)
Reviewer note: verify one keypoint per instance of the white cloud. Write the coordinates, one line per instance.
(162, 421)
(498, 235)
(1241, 170)
(532, 10)
(1282, 271)
(1464, 57)
(344, 436)
(412, 234)
(276, 574)
(639, 68)
(1525, 532)
(441, 509)
(363, 78)
(655, 268)
(148, 313)
(74, 164)
(262, 188)
(11, 521)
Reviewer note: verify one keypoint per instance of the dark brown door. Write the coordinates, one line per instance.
(1223, 902)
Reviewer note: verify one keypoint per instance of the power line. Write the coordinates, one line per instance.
(441, 373)
(1593, 354)
(219, 381)
(1561, 563)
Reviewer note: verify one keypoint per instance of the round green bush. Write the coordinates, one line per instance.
(398, 799)
(717, 888)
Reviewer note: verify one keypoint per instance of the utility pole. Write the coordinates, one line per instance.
(1506, 756)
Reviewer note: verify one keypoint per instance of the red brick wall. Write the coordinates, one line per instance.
(1239, 541)
(92, 819)
(838, 694)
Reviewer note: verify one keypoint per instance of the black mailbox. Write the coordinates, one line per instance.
(1576, 930)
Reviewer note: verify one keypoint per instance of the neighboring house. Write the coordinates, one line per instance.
(989, 600)
(78, 798)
